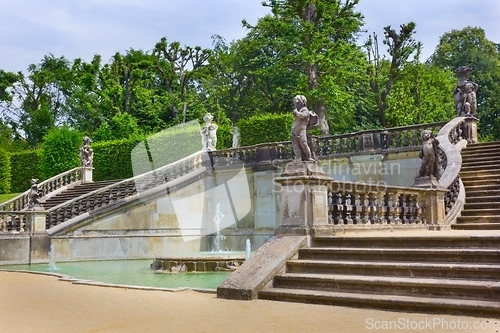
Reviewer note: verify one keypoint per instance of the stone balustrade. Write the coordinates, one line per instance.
(14, 222)
(47, 187)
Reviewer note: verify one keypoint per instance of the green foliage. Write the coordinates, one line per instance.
(121, 126)
(268, 127)
(112, 159)
(4, 172)
(60, 150)
(25, 165)
(470, 47)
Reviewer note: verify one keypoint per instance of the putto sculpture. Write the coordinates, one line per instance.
(34, 195)
(86, 153)
(209, 133)
(465, 93)
(305, 119)
(429, 155)
(235, 131)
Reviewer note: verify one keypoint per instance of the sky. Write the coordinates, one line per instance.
(31, 29)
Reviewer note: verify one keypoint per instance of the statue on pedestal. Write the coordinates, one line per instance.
(86, 153)
(428, 174)
(304, 120)
(235, 131)
(34, 195)
(209, 133)
(465, 93)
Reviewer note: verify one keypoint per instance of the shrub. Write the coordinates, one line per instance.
(24, 165)
(59, 152)
(266, 127)
(4, 172)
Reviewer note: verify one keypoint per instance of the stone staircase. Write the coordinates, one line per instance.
(480, 174)
(426, 273)
(75, 192)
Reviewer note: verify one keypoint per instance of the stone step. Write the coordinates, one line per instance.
(479, 173)
(483, 162)
(480, 181)
(475, 226)
(481, 204)
(478, 193)
(481, 212)
(471, 199)
(389, 285)
(383, 301)
(482, 188)
(485, 146)
(479, 167)
(429, 254)
(432, 240)
(456, 270)
(480, 154)
(485, 220)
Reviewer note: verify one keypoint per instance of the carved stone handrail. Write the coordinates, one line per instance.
(14, 222)
(363, 205)
(120, 191)
(451, 142)
(48, 186)
(364, 142)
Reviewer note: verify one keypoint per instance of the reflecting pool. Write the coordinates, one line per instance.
(130, 273)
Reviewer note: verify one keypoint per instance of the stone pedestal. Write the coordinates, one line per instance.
(37, 220)
(87, 175)
(304, 199)
(433, 210)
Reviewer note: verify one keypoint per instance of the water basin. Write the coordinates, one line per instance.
(128, 272)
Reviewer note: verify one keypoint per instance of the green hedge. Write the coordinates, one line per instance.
(60, 149)
(266, 127)
(24, 166)
(4, 172)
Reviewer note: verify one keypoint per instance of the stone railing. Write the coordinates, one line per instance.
(451, 141)
(47, 187)
(14, 222)
(121, 191)
(365, 205)
(364, 142)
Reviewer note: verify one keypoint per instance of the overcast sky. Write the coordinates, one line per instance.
(30, 29)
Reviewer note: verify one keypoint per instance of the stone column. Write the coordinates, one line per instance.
(304, 200)
(87, 175)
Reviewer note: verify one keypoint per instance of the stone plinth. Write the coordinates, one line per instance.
(304, 199)
(37, 219)
(433, 210)
(87, 175)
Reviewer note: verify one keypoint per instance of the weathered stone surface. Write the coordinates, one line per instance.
(258, 271)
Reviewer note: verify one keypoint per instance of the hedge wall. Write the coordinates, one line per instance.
(267, 127)
(24, 166)
(4, 172)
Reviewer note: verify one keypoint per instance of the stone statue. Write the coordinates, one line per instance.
(235, 131)
(209, 133)
(304, 120)
(34, 195)
(86, 153)
(429, 155)
(465, 93)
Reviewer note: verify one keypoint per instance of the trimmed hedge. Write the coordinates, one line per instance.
(266, 127)
(4, 172)
(60, 149)
(24, 166)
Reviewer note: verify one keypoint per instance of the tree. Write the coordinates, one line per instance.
(470, 47)
(322, 34)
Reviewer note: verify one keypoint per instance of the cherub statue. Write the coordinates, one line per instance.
(304, 120)
(429, 155)
(34, 194)
(465, 93)
(86, 153)
(209, 133)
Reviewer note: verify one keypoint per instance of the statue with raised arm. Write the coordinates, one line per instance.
(305, 119)
(209, 133)
(34, 195)
(465, 93)
(429, 155)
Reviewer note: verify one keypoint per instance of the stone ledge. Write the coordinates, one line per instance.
(259, 270)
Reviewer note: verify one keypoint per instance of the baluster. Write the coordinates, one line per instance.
(418, 211)
(381, 207)
(22, 223)
(4, 223)
(403, 204)
(348, 208)
(372, 208)
(338, 209)
(391, 208)
(357, 209)
(365, 208)
(411, 210)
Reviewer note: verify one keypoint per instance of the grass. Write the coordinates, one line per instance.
(6, 197)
